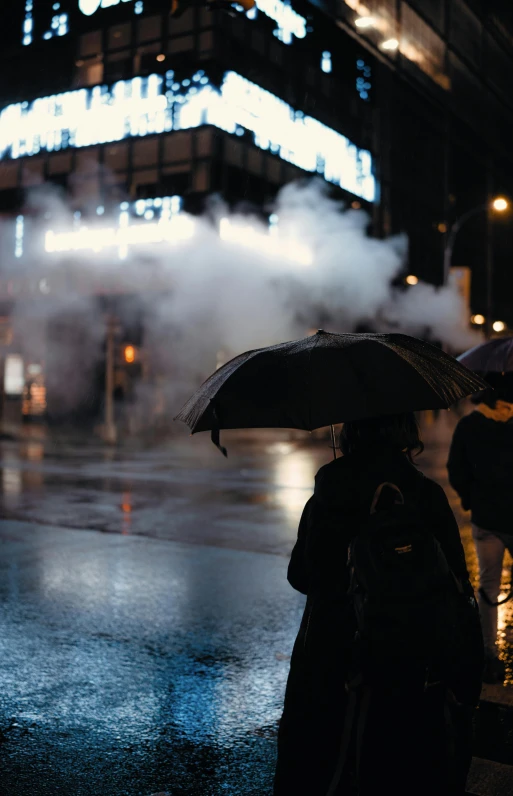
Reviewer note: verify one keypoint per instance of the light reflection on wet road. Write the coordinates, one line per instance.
(145, 628)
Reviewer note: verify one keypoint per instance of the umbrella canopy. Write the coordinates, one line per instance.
(326, 379)
(494, 356)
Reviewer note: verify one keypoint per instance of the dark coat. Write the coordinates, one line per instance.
(481, 469)
(315, 700)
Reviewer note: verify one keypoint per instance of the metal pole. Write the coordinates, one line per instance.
(453, 234)
(489, 275)
(109, 428)
(333, 441)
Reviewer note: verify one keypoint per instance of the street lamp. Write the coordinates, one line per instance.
(500, 204)
(478, 319)
(497, 205)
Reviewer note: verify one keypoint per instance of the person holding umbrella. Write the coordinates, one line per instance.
(480, 469)
(387, 644)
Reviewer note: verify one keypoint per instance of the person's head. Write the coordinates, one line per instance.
(396, 432)
(502, 390)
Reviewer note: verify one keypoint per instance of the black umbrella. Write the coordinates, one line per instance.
(494, 356)
(326, 379)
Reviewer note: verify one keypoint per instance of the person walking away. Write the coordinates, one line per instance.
(480, 469)
(338, 734)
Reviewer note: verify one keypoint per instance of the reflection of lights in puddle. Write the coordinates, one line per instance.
(11, 480)
(126, 508)
(35, 451)
(11, 486)
(505, 617)
(294, 480)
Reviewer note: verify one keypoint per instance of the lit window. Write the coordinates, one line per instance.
(28, 24)
(19, 233)
(288, 22)
(363, 79)
(14, 376)
(58, 26)
(326, 62)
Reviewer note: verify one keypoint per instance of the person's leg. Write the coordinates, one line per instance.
(490, 554)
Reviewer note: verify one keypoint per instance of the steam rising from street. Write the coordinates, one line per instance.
(209, 296)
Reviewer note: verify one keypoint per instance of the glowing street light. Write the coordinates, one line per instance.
(498, 326)
(477, 319)
(411, 279)
(500, 204)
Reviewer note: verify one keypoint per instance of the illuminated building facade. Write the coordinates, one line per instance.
(404, 108)
(414, 94)
(135, 103)
(444, 120)
(139, 116)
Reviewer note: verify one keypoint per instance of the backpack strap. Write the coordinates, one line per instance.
(398, 499)
(487, 600)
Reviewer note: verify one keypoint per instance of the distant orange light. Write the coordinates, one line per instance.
(126, 507)
(161, 57)
(129, 354)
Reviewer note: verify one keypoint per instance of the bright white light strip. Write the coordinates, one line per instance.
(270, 244)
(139, 107)
(90, 7)
(289, 22)
(298, 139)
(174, 230)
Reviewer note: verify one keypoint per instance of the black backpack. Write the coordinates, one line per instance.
(400, 587)
(415, 631)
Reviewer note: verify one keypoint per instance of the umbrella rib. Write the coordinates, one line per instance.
(309, 380)
(434, 383)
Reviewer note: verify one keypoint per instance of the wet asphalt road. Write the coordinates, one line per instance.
(145, 619)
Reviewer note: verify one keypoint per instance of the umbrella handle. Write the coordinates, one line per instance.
(333, 441)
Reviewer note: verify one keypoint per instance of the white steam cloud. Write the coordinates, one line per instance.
(207, 295)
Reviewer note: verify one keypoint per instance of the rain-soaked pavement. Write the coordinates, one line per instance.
(146, 622)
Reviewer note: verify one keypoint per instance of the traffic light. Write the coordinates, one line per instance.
(129, 354)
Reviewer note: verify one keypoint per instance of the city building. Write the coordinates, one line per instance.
(138, 110)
